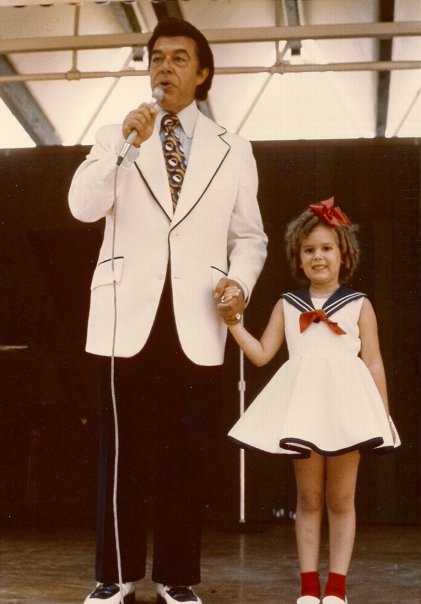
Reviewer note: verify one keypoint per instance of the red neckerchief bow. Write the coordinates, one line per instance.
(314, 316)
(330, 214)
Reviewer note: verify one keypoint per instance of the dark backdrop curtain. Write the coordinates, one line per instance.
(48, 447)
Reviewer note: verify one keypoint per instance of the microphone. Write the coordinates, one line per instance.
(157, 96)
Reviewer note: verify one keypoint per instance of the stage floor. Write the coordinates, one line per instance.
(238, 568)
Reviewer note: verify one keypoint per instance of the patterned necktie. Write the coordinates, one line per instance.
(175, 159)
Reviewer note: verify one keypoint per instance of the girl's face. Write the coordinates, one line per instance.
(320, 258)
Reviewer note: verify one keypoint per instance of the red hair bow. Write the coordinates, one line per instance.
(315, 316)
(330, 214)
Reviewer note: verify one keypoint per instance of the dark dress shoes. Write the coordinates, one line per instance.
(178, 595)
(111, 594)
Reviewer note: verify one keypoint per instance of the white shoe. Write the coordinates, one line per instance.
(176, 595)
(333, 600)
(111, 594)
(308, 600)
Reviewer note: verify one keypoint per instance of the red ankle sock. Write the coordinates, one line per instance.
(310, 584)
(336, 585)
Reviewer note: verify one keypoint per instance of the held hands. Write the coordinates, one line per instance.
(231, 301)
(142, 120)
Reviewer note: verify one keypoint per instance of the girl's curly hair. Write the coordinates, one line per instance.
(300, 228)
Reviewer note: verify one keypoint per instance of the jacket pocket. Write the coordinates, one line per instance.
(104, 273)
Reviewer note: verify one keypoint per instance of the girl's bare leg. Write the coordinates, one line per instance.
(310, 478)
(341, 480)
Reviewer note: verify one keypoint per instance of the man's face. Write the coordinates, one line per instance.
(174, 67)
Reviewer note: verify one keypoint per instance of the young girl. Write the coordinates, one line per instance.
(328, 402)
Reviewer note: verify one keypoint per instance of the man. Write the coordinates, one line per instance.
(172, 243)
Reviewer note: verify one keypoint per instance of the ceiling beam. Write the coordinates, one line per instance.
(293, 19)
(26, 109)
(126, 14)
(129, 22)
(387, 13)
(217, 36)
(167, 8)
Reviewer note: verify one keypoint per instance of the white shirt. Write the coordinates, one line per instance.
(185, 131)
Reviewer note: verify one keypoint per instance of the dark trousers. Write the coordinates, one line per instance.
(167, 409)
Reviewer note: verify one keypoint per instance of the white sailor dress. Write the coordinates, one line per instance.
(324, 397)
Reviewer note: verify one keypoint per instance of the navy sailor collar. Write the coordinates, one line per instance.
(301, 299)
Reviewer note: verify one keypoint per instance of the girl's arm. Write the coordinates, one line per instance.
(262, 351)
(370, 349)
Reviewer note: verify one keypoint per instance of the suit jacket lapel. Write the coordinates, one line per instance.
(151, 166)
(207, 153)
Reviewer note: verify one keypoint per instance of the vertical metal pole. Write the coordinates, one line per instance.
(75, 33)
(242, 388)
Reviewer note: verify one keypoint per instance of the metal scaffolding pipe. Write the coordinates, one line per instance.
(280, 69)
(218, 36)
(407, 112)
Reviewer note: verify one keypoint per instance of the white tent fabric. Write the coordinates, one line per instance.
(267, 105)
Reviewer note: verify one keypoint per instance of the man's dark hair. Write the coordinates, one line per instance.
(178, 27)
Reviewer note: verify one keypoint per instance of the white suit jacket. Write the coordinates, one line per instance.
(216, 230)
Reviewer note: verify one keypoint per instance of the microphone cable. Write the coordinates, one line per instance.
(157, 95)
(114, 400)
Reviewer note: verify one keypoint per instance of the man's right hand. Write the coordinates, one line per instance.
(142, 120)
